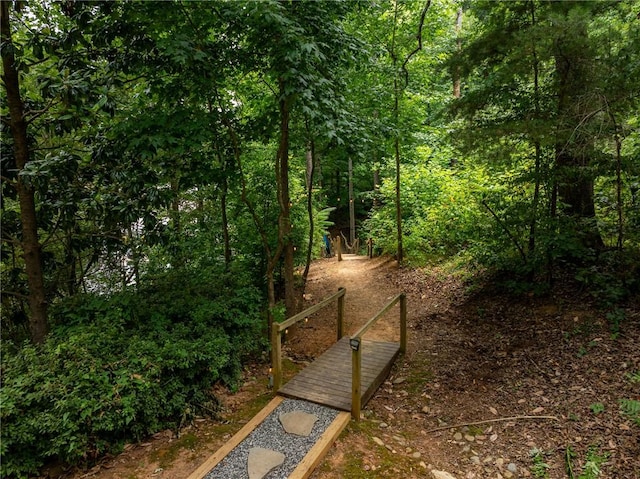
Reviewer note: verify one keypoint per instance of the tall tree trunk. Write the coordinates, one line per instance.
(135, 257)
(618, 142)
(223, 194)
(310, 171)
(31, 247)
(284, 220)
(174, 213)
(398, 206)
(537, 146)
(396, 142)
(70, 259)
(575, 182)
(456, 69)
(352, 207)
(396, 106)
(376, 171)
(225, 222)
(376, 187)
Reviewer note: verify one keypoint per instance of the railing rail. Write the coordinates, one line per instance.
(278, 328)
(356, 350)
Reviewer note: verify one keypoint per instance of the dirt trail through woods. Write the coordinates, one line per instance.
(369, 284)
(534, 373)
(488, 379)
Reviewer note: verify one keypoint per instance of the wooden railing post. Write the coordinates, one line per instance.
(340, 317)
(356, 378)
(277, 329)
(339, 248)
(356, 354)
(276, 359)
(403, 323)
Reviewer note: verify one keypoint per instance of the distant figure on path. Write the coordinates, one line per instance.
(327, 245)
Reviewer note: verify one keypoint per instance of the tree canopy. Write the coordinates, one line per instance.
(209, 146)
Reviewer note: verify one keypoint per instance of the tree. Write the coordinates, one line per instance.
(535, 73)
(30, 243)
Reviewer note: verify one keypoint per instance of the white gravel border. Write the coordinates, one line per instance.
(271, 435)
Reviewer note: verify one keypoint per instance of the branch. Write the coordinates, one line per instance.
(423, 14)
(270, 87)
(15, 294)
(506, 230)
(8, 180)
(486, 421)
(11, 240)
(243, 184)
(38, 113)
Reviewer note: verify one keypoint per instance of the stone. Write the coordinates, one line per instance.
(262, 461)
(416, 455)
(299, 423)
(512, 467)
(469, 437)
(383, 425)
(441, 475)
(378, 441)
(475, 459)
(457, 436)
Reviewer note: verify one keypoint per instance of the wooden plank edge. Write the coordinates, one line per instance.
(369, 392)
(237, 438)
(321, 447)
(335, 404)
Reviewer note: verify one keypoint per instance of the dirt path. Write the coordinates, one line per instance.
(545, 373)
(370, 285)
(474, 354)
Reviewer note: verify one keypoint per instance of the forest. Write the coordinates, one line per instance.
(169, 171)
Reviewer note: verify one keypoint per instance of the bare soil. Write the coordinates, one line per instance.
(488, 379)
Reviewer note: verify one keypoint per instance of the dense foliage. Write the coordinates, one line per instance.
(118, 368)
(169, 167)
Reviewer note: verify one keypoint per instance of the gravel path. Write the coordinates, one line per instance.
(271, 435)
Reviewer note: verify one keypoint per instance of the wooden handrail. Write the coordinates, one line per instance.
(277, 328)
(310, 310)
(372, 321)
(356, 350)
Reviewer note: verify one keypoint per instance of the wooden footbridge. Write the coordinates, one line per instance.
(345, 377)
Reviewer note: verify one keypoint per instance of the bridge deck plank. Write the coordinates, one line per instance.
(327, 380)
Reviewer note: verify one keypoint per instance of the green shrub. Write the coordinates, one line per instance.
(119, 368)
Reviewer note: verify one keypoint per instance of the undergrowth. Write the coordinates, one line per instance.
(118, 368)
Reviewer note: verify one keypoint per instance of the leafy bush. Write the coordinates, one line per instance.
(440, 212)
(119, 368)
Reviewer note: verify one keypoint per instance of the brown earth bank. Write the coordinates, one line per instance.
(492, 385)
